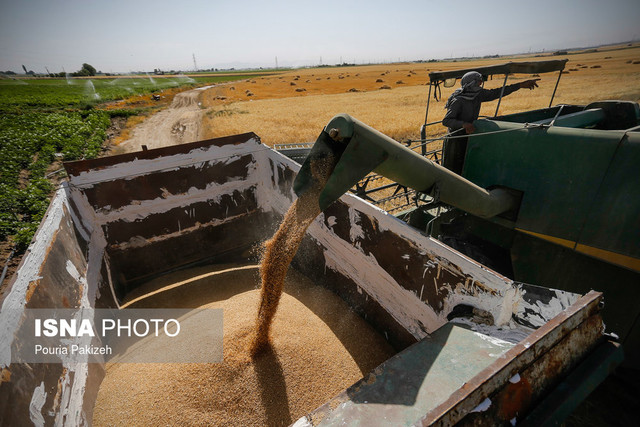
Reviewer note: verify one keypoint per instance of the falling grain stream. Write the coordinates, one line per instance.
(281, 249)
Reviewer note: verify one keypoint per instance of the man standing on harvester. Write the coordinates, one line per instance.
(463, 107)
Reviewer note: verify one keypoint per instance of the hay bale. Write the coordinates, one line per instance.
(399, 82)
(385, 87)
(301, 89)
(353, 89)
(379, 81)
(596, 66)
(292, 84)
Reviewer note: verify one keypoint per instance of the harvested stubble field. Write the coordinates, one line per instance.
(294, 107)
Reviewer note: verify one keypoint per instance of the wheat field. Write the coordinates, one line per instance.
(293, 107)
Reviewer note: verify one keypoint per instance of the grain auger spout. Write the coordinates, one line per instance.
(360, 149)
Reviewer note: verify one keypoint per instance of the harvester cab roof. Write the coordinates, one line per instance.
(449, 78)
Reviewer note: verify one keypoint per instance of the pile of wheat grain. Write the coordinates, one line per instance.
(319, 347)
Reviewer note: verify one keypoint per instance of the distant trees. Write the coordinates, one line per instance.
(86, 70)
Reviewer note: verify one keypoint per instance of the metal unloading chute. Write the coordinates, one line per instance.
(361, 149)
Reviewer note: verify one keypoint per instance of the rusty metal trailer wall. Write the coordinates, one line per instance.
(63, 268)
(190, 204)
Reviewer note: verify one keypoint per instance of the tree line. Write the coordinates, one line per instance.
(87, 70)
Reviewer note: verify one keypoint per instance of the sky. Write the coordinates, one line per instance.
(118, 36)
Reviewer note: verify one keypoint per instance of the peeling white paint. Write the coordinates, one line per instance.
(29, 272)
(511, 332)
(483, 406)
(331, 221)
(74, 412)
(403, 305)
(137, 167)
(495, 342)
(501, 303)
(303, 422)
(540, 313)
(73, 271)
(139, 241)
(355, 231)
(211, 193)
(269, 196)
(38, 399)
(87, 216)
(62, 399)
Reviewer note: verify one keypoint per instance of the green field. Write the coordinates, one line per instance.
(52, 94)
(43, 121)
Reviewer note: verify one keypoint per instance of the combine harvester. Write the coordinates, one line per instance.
(548, 196)
(476, 342)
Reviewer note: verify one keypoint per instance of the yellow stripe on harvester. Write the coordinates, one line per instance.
(612, 257)
(558, 241)
(608, 256)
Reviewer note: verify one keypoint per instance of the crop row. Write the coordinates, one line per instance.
(29, 143)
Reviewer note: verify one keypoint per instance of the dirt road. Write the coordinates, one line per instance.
(179, 123)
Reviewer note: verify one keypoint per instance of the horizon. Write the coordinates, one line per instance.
(169, 73)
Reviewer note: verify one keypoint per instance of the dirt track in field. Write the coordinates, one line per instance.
(177, 124)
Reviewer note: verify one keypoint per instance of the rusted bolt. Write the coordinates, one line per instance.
(334, 134)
